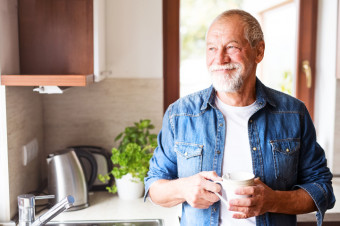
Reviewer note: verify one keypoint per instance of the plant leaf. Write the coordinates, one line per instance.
(119, 136)
(133, 153)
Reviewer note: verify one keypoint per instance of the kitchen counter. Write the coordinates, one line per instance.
(106, 206)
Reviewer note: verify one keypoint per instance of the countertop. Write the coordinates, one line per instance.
(106, 206)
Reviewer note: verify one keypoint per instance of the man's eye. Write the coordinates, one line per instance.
(211, 48)
(232, 49)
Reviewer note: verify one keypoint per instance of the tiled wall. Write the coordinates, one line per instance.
(24, 123)
(96, 114)
(92, 115)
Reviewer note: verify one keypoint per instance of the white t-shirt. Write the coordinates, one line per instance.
(237, 153)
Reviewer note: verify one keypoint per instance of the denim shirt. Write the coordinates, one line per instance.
(282, 138)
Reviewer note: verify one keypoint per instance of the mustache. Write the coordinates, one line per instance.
(228, 66)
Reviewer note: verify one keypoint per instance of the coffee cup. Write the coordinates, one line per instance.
(231, 181)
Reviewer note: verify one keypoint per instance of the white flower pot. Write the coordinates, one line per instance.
(129, 188)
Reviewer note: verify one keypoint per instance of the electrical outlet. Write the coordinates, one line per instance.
(30, 151)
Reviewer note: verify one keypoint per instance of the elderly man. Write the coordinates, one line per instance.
(238, 124)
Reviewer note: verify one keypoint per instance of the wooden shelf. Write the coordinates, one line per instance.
(46, 80)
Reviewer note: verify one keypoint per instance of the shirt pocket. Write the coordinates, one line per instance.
(286, 157)
(189, 158)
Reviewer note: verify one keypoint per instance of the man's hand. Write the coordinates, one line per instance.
(198, 190)
(263, 199)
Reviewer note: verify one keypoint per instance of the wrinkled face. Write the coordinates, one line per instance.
(229, 56)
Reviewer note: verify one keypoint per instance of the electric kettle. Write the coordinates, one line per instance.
(66, 177)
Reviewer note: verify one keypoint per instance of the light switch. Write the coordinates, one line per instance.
(30, 151)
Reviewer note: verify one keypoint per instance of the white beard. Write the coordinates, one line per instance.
(229, 82)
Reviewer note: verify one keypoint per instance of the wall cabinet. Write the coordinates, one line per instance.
(60, 43)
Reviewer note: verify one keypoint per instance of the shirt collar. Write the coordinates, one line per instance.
(209, 98)
(262, 96)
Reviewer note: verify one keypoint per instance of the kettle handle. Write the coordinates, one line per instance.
(94, 167)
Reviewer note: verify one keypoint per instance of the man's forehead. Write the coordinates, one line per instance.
(226, 27)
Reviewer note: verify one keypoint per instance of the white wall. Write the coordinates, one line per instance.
(336, 165)
(325, 90)
(134, 38)
(4, 186)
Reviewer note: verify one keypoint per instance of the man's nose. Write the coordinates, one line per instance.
(222, 57)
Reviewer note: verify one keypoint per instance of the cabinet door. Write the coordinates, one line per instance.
(56, 36)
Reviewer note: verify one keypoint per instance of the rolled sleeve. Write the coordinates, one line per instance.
(322, 195)
(314, 175)
(163, 164)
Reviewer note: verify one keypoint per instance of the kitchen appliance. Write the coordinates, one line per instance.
(104, 165)
(66, 177)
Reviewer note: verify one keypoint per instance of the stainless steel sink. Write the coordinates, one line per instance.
(147, 222)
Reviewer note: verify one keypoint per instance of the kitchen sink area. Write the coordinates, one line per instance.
(106, 209)
(142, 222)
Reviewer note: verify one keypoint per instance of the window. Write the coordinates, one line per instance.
(303, 42)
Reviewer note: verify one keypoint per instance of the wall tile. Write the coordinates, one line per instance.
(96, 114)
(24, 123)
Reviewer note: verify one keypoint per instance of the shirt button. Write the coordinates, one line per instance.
(287, 150)
(254, 148)
(221, 124)
(214, 209)
(218, 152)
(186, 153)
(251, 121)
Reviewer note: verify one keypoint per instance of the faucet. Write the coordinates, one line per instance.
(26, 205)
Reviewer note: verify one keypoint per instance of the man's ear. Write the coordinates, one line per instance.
(259, 51)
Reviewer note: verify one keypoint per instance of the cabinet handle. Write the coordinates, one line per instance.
(308, 71)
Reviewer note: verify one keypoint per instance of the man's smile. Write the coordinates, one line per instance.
(224, 68)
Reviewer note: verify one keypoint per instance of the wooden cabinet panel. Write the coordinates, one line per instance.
(55, 38)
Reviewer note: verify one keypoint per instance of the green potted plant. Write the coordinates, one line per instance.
(131, 160)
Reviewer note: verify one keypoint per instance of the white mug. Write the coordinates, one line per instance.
(232, 181)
